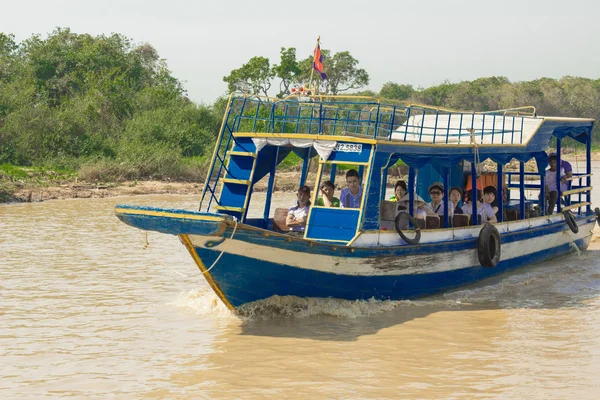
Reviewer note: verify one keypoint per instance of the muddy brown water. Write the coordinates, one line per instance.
(88, 311)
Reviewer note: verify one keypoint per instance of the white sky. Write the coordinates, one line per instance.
(421, 43)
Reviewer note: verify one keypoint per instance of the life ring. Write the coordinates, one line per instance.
(488, 246)
(597, 212)
(571, 221)
(413, 221)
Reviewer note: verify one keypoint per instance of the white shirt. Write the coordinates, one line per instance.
(298, 212)
(485, 210)
(439, 209)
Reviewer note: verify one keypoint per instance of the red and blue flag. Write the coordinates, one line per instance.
(318, 61)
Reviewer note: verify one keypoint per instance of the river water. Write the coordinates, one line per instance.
(92, 308)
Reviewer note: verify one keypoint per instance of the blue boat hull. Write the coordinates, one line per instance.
(244, 264)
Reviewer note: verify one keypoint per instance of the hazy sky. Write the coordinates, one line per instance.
(421, 43)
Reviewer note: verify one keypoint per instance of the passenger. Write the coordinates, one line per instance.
(351, 196)
(399, 191)
(298, 214)
(484, 208)
(551, 187)
(456, 194)
(420, 206)
(327, 200)
(436, 191)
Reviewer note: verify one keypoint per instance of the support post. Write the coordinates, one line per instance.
(270, 188)
(522, 189)
(474, 218)
(411, 191)
(558, 157)
(446, 197)
(500, 192)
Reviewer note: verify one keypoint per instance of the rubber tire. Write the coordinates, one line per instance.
(571, 221)
(488, 246)
(597, 212)
(412, 220)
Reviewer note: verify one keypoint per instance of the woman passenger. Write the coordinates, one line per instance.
(436, 192)
(399, 191)
(456, 194)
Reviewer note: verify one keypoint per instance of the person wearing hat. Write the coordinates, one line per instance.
(298, 214)
(420, 206)
(436, 192)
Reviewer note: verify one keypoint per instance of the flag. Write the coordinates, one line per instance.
(318, 61)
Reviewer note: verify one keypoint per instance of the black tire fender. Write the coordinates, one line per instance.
(488, 246)
(413, 221)
(571, 221)
(597, 212)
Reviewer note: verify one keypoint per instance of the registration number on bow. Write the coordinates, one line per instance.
(349, 147)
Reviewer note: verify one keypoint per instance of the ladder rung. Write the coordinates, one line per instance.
(579, 177)
(237, 181)
(578, 190)
(242, 153)
(572, 206)
(227, 208)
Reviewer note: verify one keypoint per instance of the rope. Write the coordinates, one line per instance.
(476, 158)
(224, 246)
(147, 246)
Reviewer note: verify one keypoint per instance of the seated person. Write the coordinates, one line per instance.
(399, 191)
(327, 200)
(456, 194)
(298, 214)
(351, 196)
(551, 186)
(484, 208)
(420, 206)
(436, 191)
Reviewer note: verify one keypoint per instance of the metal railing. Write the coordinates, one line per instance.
(370, 118)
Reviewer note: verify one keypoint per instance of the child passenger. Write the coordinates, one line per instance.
(327, 200)
(298, 214)
(484, 208)
(351, 195)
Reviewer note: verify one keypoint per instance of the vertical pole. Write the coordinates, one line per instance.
(522, 189)
(558, 157)
(588, 170)
(542, 202)
(384, 184)
(500, 192)
(305, 167)
(332, 173)
(474, 194)
(446, 198)
(411, 191)
(270, 189)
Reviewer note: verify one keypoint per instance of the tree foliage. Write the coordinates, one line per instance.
(78, 97)
(255, 76)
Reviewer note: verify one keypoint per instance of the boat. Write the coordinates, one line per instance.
(364, 252)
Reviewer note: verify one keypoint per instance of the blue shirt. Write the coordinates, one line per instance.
(348, 200)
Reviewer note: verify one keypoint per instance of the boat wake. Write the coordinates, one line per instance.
(567, 281)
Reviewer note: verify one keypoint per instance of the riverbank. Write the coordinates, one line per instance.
(36, 190)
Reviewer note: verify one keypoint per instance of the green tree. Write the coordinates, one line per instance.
(342, 72)
(395, 91)
(288, 70)
(254, 77)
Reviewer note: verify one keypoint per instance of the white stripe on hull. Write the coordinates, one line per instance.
(389, 265)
